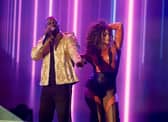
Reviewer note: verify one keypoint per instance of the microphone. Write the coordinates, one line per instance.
(49, 33)
(45, 38)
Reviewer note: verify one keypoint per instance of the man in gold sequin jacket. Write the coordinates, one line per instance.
(59, 53)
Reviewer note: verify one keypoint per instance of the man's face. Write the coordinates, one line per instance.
(52, 24)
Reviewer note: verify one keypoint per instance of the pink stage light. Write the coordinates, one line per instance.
(128, 60)
(144, 30)
(34, 43)
(50, 7)
(75, 17)
(14, 30)
(19, 30)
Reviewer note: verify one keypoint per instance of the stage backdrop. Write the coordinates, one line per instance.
(142, 81)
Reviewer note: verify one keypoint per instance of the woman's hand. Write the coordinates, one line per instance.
(97, 99)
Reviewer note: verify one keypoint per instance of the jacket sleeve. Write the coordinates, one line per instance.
(73, 49)
(40, 50)
(36, 52)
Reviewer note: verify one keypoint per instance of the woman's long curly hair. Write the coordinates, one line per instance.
(94, 37)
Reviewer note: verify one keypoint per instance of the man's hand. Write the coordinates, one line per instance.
(49, 29)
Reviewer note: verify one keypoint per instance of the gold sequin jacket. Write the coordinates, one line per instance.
(64, 54)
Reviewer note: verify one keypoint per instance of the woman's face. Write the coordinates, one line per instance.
(106, 37)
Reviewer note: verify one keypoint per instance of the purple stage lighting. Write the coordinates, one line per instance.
(128, 60)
